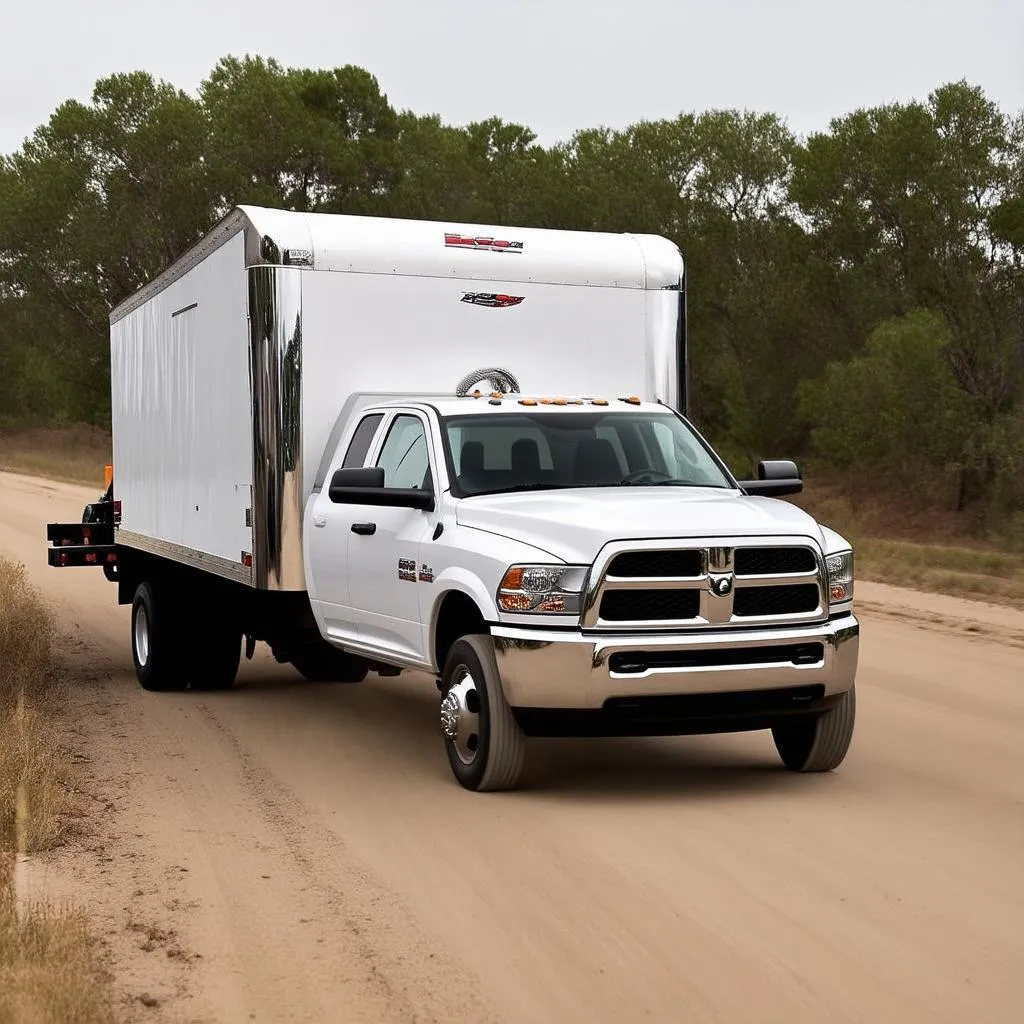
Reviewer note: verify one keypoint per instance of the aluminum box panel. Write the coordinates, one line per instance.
(182, 416)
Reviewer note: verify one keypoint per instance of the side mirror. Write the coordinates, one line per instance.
(775, 477)
(359, 486)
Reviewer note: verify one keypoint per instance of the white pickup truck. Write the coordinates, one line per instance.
(321, 442)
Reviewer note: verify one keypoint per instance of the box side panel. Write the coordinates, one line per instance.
(365, 332)
(182, 417)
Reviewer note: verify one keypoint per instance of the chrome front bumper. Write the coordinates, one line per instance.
(571, 670)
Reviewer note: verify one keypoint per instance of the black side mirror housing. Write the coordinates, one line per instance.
(365, 486)
(370, 476)
(775, 478)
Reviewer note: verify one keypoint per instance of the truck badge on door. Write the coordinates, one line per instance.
(426, 574)
(407, 569)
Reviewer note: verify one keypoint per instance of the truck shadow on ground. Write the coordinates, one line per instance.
(396, 720)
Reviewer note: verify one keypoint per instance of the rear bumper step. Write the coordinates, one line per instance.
(67, 555)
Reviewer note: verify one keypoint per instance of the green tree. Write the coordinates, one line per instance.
(94, 205)
(297, 138)
(914, 205)
(897, 408)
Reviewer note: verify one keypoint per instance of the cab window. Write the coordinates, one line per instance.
(361, 440)
(404, 456)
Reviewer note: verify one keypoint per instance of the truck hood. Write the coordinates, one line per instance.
(574, 525)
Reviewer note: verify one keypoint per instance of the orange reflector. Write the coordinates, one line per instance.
(600, 401)
(560, 401)
(515, 602)
(497, 394)
(632, 400)
(108, 475)
(513, 580)
(527, 401)
(546, 401)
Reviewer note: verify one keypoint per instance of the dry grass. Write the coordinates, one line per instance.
(928, 549)
(48, 972)
(75, 454)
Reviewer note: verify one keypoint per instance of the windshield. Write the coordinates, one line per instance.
(523, 451)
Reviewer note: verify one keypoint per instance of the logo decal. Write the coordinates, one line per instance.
(721, 586)
(457, 240)
(426, 574)
(407, 569)
(492, 300)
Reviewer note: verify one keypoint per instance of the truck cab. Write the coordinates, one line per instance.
(579, 566)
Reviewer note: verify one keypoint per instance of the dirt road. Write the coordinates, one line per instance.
(297, 852)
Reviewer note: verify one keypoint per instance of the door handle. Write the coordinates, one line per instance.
(364, 529)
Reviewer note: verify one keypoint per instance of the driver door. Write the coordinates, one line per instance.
(384, 546)
(327, 536)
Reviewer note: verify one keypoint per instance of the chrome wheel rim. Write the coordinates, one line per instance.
(460, 716)
(142, 635)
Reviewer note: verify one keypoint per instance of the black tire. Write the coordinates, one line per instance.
(156, 639)
(818, 743)
(321, 663)
(473, 704)
(217, 652)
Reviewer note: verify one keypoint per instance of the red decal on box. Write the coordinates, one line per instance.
(484, 243)
(492, 300)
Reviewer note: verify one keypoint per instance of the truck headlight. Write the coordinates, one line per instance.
(547, 589)
(840, 576)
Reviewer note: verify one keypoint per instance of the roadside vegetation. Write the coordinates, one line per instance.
(75, 454)
(929, 549)
(49, 971)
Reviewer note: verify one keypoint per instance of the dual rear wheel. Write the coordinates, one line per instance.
(176, 647)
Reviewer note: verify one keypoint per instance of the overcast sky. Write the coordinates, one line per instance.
(556, 65)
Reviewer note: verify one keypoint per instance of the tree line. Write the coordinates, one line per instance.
(856, 296)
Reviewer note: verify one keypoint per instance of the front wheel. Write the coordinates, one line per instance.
(817, 743)
(486, 748)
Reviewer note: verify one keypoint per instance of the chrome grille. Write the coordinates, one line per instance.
(655, 585)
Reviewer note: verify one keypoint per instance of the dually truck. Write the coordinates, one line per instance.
(390, 446)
